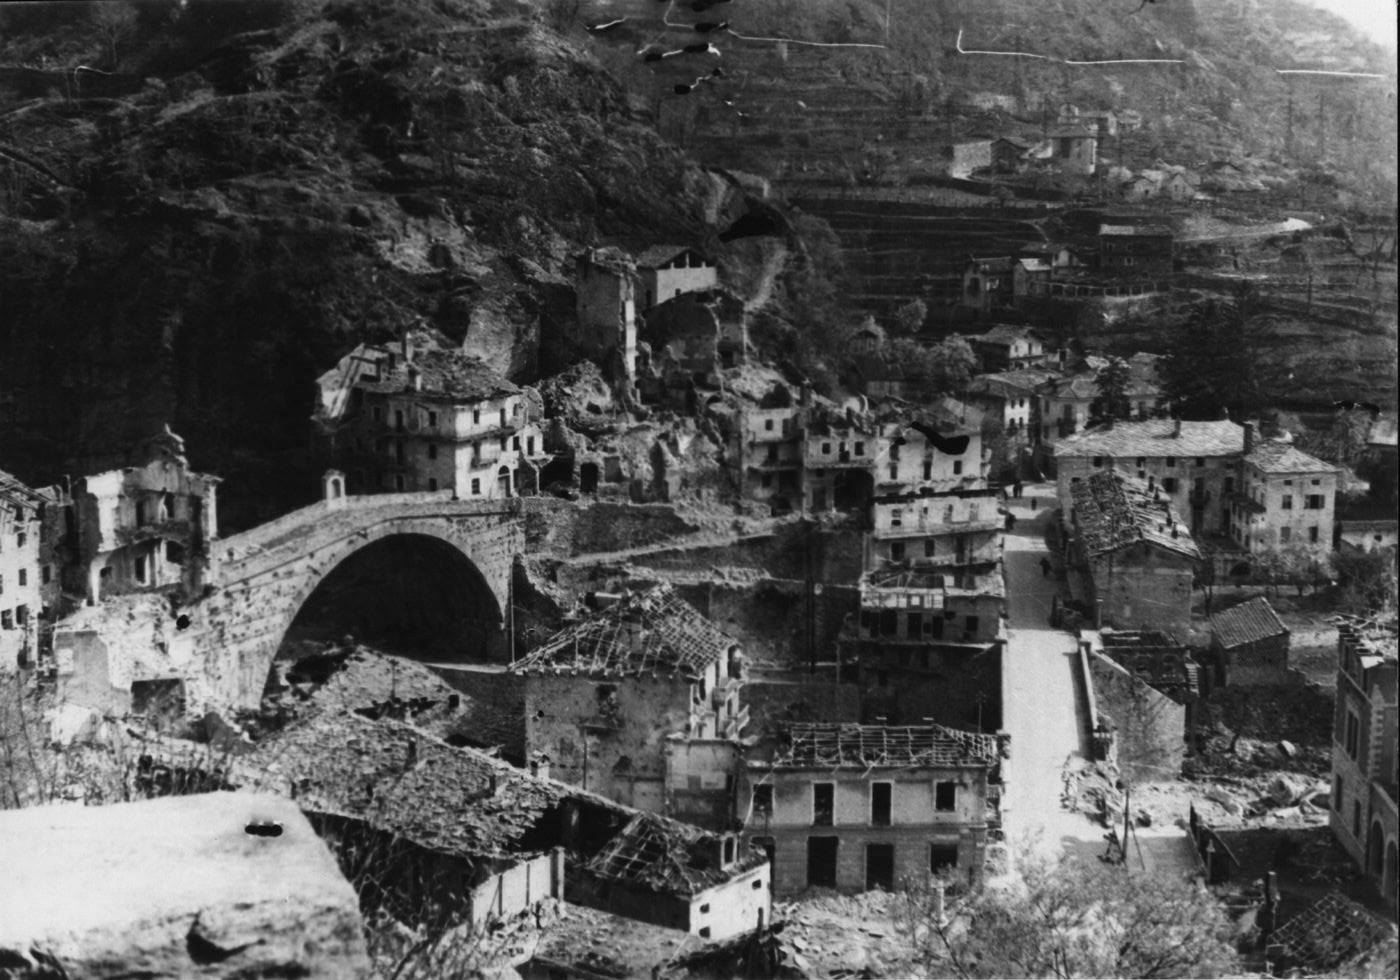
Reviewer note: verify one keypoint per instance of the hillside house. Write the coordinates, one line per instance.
(1284, 498)
(768, 444)
(641, 702)
(1068, 399)
(606, 295)
(1104, 122)
(859, 807)
(1075, 148)
(1060, 257)
(988, 283)
(667, 271)
(961, 159)
(1010, 396)
(416, 417)
(1135, 251)
(22, 574)
(1009, 154)
(1139, 561)
(1008, 348)
(1368, 534)
(1192, 465)
(1250, 644)
(1365, 743)
(143, 528)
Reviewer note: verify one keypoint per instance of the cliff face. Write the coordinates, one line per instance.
(194, 237)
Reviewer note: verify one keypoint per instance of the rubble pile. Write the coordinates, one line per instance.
(843, 936)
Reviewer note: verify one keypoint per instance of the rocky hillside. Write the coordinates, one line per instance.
(231, 194)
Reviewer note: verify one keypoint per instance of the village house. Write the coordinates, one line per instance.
(416, 417)
(605, 290)
(1103, 121)
(1012, 397)
(1030, 275)
(1075, 148)
(667, 271)
(1059, 256)
(1069, 397)
(1135, 251)
(22, 574)
(1250, 644)
(1367, 534)
(768, 444)
(988, 283)
(1284, 498)
(141, 528)
(641, 702)
(859, 807)
(1192, 465)
(481, 838)
(1009, 154)
(963, 158)
(1365, 735)
(1008, 348)
(1137, 559)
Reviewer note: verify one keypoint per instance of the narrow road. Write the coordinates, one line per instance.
(1041, 705)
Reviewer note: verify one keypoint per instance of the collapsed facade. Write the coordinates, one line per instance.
(857, 807)
(641, 703)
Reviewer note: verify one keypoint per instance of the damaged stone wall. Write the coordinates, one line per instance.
(1149, 729)
(770, 617)
(566, 528)
(100, 651)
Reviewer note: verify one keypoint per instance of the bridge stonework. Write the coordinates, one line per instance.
(263, 576)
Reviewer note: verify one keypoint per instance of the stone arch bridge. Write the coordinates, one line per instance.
(262, 577)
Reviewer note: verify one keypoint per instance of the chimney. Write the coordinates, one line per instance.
(1248, 438)
(1064, 356)
(415, 378)
(1176, 428)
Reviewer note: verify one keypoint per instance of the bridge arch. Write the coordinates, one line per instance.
(457, 552)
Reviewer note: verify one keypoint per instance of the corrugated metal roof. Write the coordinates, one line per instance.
(1248, 622)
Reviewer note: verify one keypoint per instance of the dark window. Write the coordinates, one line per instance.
(957, 467)
(823, 795)
(821, 861)
(928, 471)
(1353, 735)
(1337, 794)
(880, 795)
(432, 420)
(763, 798)
(945, 797)
(1312, 534)
(1200, 461)
(879, 867)
(1315, 501)
(941, 857)
(1171, 462)
(47, 574)
(768, 425)
(928, 548)
(914, 626)
(704, 932)
(1356, 819)
(432, 450)
(1169, 484)
(23, 577)
(432, 483)
(897, 551)
(476, 487)
(1288, 501)
(971, 624)
(860, 449)
(1098, 460)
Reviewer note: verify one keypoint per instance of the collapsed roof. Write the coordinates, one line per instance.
(850, 746)
(1113, 512)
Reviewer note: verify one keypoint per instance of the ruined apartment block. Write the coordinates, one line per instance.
(857, 807)
(419, 417)
(641, 703)
(142, 528)
(1365, 758)
(1136, 559)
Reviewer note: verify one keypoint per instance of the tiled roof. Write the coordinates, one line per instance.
(1002, 383)
(669, 856)
(1248, 622)
(453, 374)
(1114, 512)
(1271, 456)
(850, 746)
(647, 632)
(1156, 437)
(1003, 333)
(655, 256)
(1382, 431)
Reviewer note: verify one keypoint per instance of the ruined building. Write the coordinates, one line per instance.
(857, 807)
(418, 416)
(141, 528)
(605, 287)
(667, 271)
(21, 572)
(927, 641)
(1136, 559)
(1365, 757)
(641, 703)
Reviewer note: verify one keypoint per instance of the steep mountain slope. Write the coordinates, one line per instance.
(193, 237)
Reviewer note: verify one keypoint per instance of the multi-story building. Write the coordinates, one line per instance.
(640, 702)
(21, 572)
(605, 290)
(1008, 348)
(1067, 398)
(858, 807)
(420, 417)
(1011, 396)
(987, 283)
(667, 271)
(1139, 560)
(1284, 498)
(955, 527)
(1135, 251)
(142, 528)
(1191, 465)
(1365, 759)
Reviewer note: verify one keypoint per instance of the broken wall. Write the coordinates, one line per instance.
(1149, 729)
